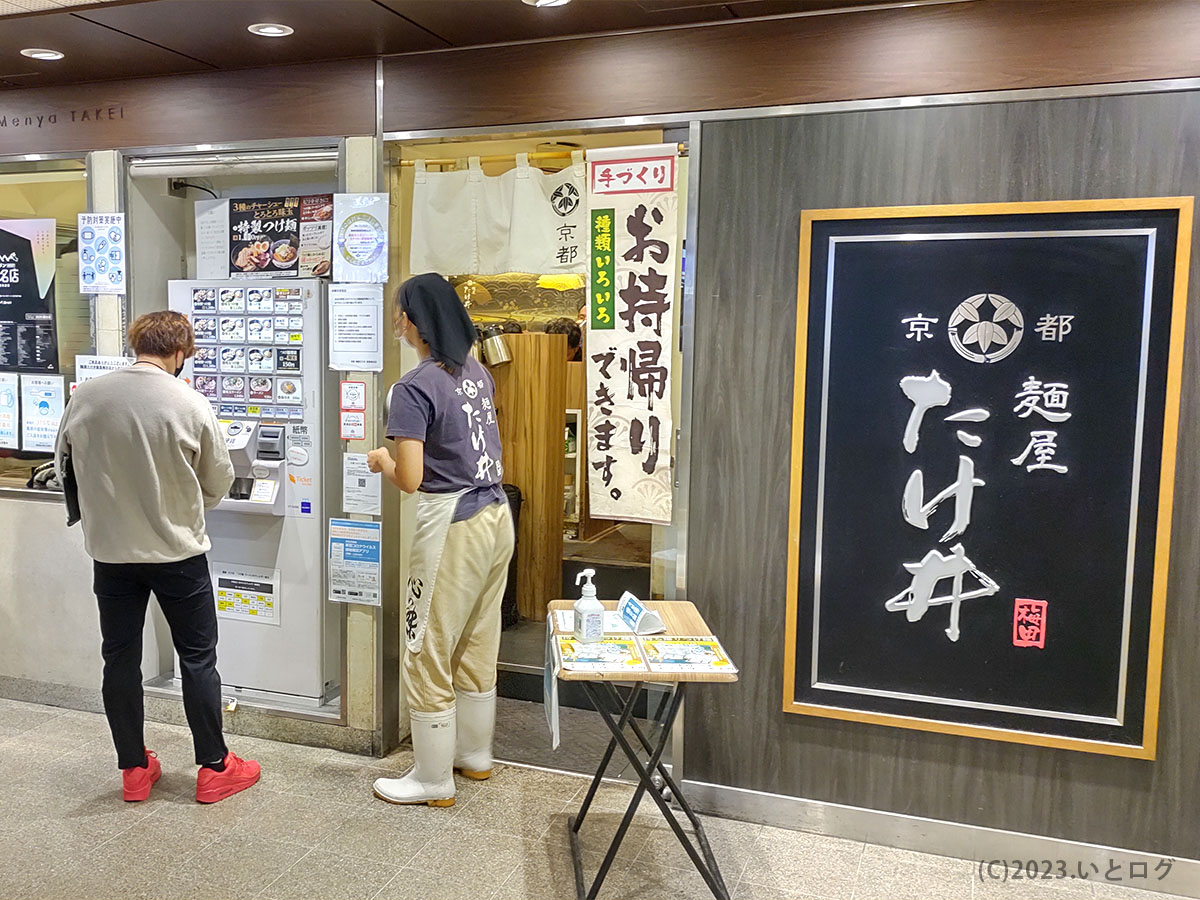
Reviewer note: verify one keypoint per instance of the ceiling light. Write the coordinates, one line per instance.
(41, 53)
(33, 156)
(269, 29)
(541, 4)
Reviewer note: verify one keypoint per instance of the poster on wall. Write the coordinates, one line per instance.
(633, 281)
(102, 262)
(41, 411)
(10, 411)
(360, 237)
(316, 235)
(264, 237)
(983, 457)
(356, 327)
(354, 561)
(28, 333)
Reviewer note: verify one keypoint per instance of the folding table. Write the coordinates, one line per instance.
(681, 619)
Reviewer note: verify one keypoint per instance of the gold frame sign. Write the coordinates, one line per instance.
(984, 434)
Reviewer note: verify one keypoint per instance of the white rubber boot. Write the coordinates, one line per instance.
(476, 722)
(431, 779)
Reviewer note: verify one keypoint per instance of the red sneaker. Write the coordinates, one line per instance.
(136, 782)
(239, 774)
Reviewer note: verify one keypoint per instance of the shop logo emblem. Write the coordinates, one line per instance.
(565, 199)
(995, 329)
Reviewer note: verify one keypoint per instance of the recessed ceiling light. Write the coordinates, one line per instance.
(541, 4)
(269, 29)
(41, 53)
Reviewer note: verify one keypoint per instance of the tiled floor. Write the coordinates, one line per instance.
(311, 830)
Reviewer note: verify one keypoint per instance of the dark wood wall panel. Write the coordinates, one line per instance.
(756, 177)
(971, 46)
(318, 100)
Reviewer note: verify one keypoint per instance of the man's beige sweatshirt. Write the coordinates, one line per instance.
(149, 459)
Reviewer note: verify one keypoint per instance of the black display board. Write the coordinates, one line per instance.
(983, 458)
(28, 333)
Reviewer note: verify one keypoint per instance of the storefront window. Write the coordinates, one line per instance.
(54, 190)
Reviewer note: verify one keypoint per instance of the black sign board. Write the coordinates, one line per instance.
(28, 336)
(982, 467)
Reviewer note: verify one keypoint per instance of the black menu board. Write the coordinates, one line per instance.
(983, 463)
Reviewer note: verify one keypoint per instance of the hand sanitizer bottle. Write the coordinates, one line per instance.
(589, 612)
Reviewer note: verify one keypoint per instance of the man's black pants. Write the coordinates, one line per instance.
(185, 595)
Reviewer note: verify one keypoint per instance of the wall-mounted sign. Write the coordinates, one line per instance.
(634, 275)
(360, 237)
(28, 333)
(982, 468)
(102, 262)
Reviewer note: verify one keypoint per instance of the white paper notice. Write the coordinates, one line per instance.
(356, 327)
(41, 411)
(354, 554)
(212, 239)
(89, 367)
(102, 263)
(247, 593)
(361, 488)
(360, 238)
(9, 411)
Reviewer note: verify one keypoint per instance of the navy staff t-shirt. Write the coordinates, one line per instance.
(455, 416)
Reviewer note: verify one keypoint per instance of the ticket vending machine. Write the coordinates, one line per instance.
(261, 363)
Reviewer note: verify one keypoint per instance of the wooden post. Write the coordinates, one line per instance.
(531, 393)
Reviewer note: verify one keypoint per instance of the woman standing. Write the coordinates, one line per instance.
(443, 420)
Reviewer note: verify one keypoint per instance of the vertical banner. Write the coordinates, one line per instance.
(102, 264)
(634, 273)
(28, 336)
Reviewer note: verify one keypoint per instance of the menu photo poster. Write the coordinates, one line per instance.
(28, 336)
(360, 233)
(264, 236)
(316, 235)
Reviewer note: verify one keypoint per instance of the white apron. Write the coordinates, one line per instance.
(435, 512)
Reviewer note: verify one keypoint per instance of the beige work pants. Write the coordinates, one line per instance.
(462, 639)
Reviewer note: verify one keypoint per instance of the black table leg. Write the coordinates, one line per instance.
(616, 716)
(697, 826)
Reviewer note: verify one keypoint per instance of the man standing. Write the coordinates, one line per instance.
(149, 460)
